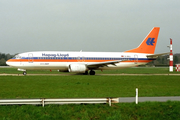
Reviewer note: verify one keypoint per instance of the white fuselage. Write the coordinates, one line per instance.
(61, 60)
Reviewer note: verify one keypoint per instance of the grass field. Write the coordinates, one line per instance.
(123, 111)
(77, 86)
(87, 86)
(135, 70)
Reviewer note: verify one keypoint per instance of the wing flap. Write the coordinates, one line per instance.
(103, 64)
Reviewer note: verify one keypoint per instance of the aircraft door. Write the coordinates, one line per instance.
(135, 59)
(30, 58)
(81, 57)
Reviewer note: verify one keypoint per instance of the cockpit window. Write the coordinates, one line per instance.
(17, 57)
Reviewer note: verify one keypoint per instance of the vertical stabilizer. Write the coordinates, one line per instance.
(148, 45)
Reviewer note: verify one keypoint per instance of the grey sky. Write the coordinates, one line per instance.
(88, 25)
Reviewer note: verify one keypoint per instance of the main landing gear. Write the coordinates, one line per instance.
(86, 73)
(92, 72)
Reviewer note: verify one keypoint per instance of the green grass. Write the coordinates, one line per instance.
(79, 86)
(125, 111)
(87, 86)
(140, 70)
(135, 70)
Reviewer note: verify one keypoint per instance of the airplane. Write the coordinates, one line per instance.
(83, 62)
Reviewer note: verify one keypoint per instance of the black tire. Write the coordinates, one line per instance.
(92, 72)
(24, 73)
(86, 73)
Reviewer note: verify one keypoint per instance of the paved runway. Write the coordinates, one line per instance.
(145, 99)
(69, 74)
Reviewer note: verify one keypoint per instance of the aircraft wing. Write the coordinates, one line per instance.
(102, 64)
(157, 55)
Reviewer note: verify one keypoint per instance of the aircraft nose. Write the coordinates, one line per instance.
(8, 62)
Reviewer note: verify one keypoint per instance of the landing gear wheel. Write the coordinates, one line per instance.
(24, 73)
(86, 73)
(92, 72)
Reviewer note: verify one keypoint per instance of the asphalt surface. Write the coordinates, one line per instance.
(4, 74)
(145, 99)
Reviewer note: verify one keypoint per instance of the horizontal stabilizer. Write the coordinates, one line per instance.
(157, 55)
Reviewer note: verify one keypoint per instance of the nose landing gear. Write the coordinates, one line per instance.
(24, 73)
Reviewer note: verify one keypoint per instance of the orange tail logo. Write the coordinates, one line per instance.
(148, 45)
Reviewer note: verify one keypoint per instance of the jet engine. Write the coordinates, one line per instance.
(77, 68)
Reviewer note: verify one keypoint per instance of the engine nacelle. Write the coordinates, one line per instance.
(77, 68)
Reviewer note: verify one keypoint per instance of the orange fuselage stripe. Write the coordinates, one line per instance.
(61, 60)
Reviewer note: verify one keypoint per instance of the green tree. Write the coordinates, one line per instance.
(162, 60)
(2, 62)
(175, 60)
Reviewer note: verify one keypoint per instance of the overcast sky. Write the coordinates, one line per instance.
(88, 25)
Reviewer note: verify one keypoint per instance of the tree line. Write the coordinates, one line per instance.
(4, 57)
(160, 61)
(164, 61)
